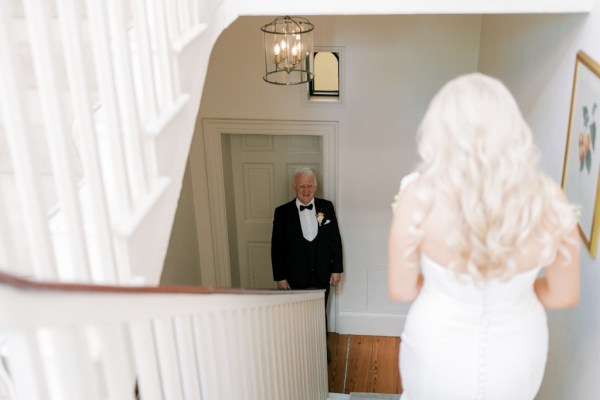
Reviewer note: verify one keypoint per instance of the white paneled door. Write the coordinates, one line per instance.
(261, 171)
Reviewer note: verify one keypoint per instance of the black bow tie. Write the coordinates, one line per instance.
(302, 208)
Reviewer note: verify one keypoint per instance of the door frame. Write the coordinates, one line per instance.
(213, 129)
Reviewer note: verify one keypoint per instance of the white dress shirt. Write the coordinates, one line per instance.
(308, 220)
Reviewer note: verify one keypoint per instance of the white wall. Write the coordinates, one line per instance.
(393, 65)
(535, 56)
(182, 261)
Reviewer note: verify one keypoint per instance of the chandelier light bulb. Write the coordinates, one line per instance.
(277, 54)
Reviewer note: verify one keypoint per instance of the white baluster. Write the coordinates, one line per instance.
(228, 351)
(113, 153)
(282, 359)
(269, 346)
(183, 17)
(169, 79)
(167, 355)
(244, 347)
(257, 353)
(58, 140)
(65, 355)
(304, 310)
(194, 11)
(116, 365)
(18, 136)
(146, 61)
(105, 271)
(25, 363)
(127, 98)
(317, 310)
(208, 355)
(195, 23)
(296, 341)
(8, 257)
(186, 352)
(145, 357)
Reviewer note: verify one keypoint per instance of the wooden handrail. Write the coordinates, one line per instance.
(28, 284)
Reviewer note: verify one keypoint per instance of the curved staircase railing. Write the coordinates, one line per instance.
(77, 341)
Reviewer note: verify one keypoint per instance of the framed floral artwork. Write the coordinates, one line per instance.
(581, 172)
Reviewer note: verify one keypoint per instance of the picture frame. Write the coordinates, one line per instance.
(581, 171)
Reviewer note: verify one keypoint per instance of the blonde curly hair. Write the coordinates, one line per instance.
(478, 150)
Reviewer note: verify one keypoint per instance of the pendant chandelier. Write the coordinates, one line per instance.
(288, 51)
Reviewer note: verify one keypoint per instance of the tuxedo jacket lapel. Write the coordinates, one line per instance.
(295, 217)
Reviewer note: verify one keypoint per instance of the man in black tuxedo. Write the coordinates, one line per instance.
(306, 247)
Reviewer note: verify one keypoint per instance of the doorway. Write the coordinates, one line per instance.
(257, 173)
(217, 137)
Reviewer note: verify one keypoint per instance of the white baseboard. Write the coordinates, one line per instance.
(373, 324)
(338, 396)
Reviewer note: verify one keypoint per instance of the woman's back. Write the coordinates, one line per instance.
(469, 340)
(442, 219)
(468, 239)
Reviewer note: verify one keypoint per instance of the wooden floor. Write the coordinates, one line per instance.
(363, 364)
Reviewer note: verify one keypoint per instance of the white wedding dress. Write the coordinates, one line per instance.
(468, 341)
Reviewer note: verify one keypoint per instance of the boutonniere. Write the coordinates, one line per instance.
(320, 217)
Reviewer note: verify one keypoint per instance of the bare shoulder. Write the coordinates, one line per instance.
(407, 195)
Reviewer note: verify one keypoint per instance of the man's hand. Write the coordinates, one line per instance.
(335, 279)
(283, 284)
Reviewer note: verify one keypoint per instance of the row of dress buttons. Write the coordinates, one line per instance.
(483, 329)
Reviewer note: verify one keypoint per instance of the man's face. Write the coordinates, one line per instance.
(305, 188)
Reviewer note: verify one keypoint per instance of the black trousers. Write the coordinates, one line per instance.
(313, 278)
(313, 283)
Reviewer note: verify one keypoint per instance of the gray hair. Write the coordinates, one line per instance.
(304, 172)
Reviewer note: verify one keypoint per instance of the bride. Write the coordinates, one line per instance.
(481, 241)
